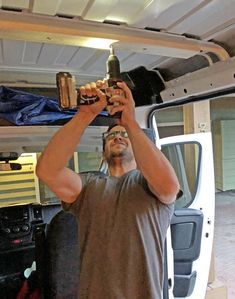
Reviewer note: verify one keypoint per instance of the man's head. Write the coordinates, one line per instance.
(116, 144)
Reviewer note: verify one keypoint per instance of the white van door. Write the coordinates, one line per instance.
(191, 232)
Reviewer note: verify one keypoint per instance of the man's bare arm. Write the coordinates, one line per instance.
(152, 163)
(154, 166)
(52, 164)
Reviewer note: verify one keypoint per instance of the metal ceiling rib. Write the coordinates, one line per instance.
(176, 16)
(45, 52)
(219, 30)
(49, 29)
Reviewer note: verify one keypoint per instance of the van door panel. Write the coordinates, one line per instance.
(186, 231)
(192, 224)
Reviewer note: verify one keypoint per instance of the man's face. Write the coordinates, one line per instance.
(117, 145)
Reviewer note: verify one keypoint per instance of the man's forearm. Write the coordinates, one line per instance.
(52, 164)
(153, 165)
(62, 146)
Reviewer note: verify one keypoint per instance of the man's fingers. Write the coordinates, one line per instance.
(126, 89)
(100, 94)
(101, 84)
(90, 89)
(119, 100)
(114, 109)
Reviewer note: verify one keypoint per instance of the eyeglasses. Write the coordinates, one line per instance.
(113, 134)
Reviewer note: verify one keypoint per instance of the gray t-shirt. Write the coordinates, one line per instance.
(122, 229)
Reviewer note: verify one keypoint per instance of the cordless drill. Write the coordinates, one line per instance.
(70, 98)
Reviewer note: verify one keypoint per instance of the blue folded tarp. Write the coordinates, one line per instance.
(22, 108)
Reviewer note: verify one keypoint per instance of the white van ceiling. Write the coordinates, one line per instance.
(39, 38)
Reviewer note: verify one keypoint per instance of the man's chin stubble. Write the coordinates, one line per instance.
(125, 156)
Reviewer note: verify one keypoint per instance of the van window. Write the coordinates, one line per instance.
(185, 159)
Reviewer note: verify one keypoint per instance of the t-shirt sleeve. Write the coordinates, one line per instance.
(75, 206)
(148, 190)
(167, 210)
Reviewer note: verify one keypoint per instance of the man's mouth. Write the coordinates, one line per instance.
(120, 143)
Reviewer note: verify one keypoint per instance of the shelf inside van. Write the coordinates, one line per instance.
(35, 138)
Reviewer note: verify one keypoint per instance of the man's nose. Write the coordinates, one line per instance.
(118, 137)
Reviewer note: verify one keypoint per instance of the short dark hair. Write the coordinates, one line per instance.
(109, 129)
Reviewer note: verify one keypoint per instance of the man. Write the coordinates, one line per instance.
(123, 217)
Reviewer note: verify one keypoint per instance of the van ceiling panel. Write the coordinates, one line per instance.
(211, 20)
(170, 13)
(71, 7)
(23, 57)
(15, 4)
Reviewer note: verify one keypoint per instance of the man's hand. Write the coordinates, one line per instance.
(123, 103)
(90, 90)
(119, 101)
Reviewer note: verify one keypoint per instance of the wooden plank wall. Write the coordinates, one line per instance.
(224, 154)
